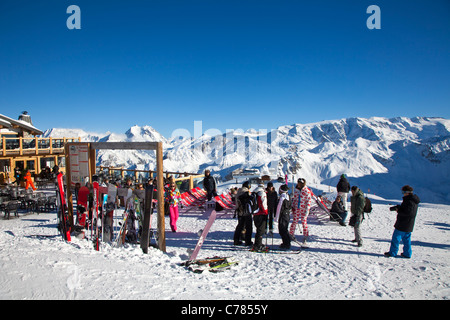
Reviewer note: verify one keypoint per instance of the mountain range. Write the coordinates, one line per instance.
(378, 154)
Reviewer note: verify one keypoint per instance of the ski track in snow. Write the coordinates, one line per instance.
(37, 264)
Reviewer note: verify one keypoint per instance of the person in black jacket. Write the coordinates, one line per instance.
(343, 188)
(406, 217)
(272, 202)
(283, 216)
(338, 213)
(210, 185)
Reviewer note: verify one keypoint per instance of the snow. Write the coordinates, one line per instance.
(37, 264)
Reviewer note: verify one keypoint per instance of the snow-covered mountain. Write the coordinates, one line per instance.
(377, 154)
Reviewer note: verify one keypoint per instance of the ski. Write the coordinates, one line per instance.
(96, 195)
(128, 207)
(108, 214)
(82, 206)
(146, 223)
(63, 217)
(215, 264)
(202, 238)
(271, 250)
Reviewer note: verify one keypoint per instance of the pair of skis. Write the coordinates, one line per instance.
(215, 264)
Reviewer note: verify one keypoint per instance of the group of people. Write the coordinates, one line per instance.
(263, 206)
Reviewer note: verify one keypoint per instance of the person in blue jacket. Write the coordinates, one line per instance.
(404, 225)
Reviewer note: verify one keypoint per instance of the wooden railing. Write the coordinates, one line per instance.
(33, 146)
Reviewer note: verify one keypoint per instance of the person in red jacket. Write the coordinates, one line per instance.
(260, 217)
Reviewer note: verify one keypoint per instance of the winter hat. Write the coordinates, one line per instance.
(284, 188)
(269, 185)
(343, 176)
(246, 184)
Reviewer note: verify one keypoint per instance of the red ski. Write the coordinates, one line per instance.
(63, 216)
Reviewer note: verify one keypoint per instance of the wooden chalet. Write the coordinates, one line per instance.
(22, 148)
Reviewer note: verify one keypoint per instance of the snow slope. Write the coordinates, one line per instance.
(37, 264)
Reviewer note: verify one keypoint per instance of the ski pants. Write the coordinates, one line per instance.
(29, 183)
(260, 224)
(244, 222)
(302, 214)
(405, 237)
(283, 223)
(357, 228)
(173, 217)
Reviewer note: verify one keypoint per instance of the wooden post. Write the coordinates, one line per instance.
(160, 186)
(69, 188)
(92, 158)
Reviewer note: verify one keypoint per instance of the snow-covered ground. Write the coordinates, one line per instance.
(37, 264)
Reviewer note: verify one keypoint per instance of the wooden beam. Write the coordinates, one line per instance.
(160, 186)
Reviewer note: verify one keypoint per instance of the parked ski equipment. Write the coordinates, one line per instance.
(202, 238)
(63, 217)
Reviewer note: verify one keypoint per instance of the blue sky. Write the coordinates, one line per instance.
(230, 64)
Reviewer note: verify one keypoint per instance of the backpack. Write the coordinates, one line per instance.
(248, 205)
(368, 205)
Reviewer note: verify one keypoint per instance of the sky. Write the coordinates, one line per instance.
(230, 64)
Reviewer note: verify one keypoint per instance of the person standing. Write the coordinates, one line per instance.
(29, 181)
(210, 185)
(358, 202)
(343, 188)
(260, 217)
(243, 197)
(272, 203)
(282, 215)
(404, 225)
(301, 203)
(172, 197)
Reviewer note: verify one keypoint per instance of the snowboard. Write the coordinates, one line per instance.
(63, 216)
(202, 238)
(82, 205)
(108, 214)
(146, 223)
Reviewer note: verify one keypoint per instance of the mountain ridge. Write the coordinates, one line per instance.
(380, 154)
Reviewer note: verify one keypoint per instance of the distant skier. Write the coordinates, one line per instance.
(357, 209)
(301, 203)
(210, 185)
(406, 217)
(343, 188)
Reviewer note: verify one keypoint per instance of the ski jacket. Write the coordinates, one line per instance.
(262, 202)
(272, 199)
(358, 202)
(172, 196)
(209, 184)
(283, 207)
(407, 212)
(337, 207)
(301, 199)
(343, 185)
